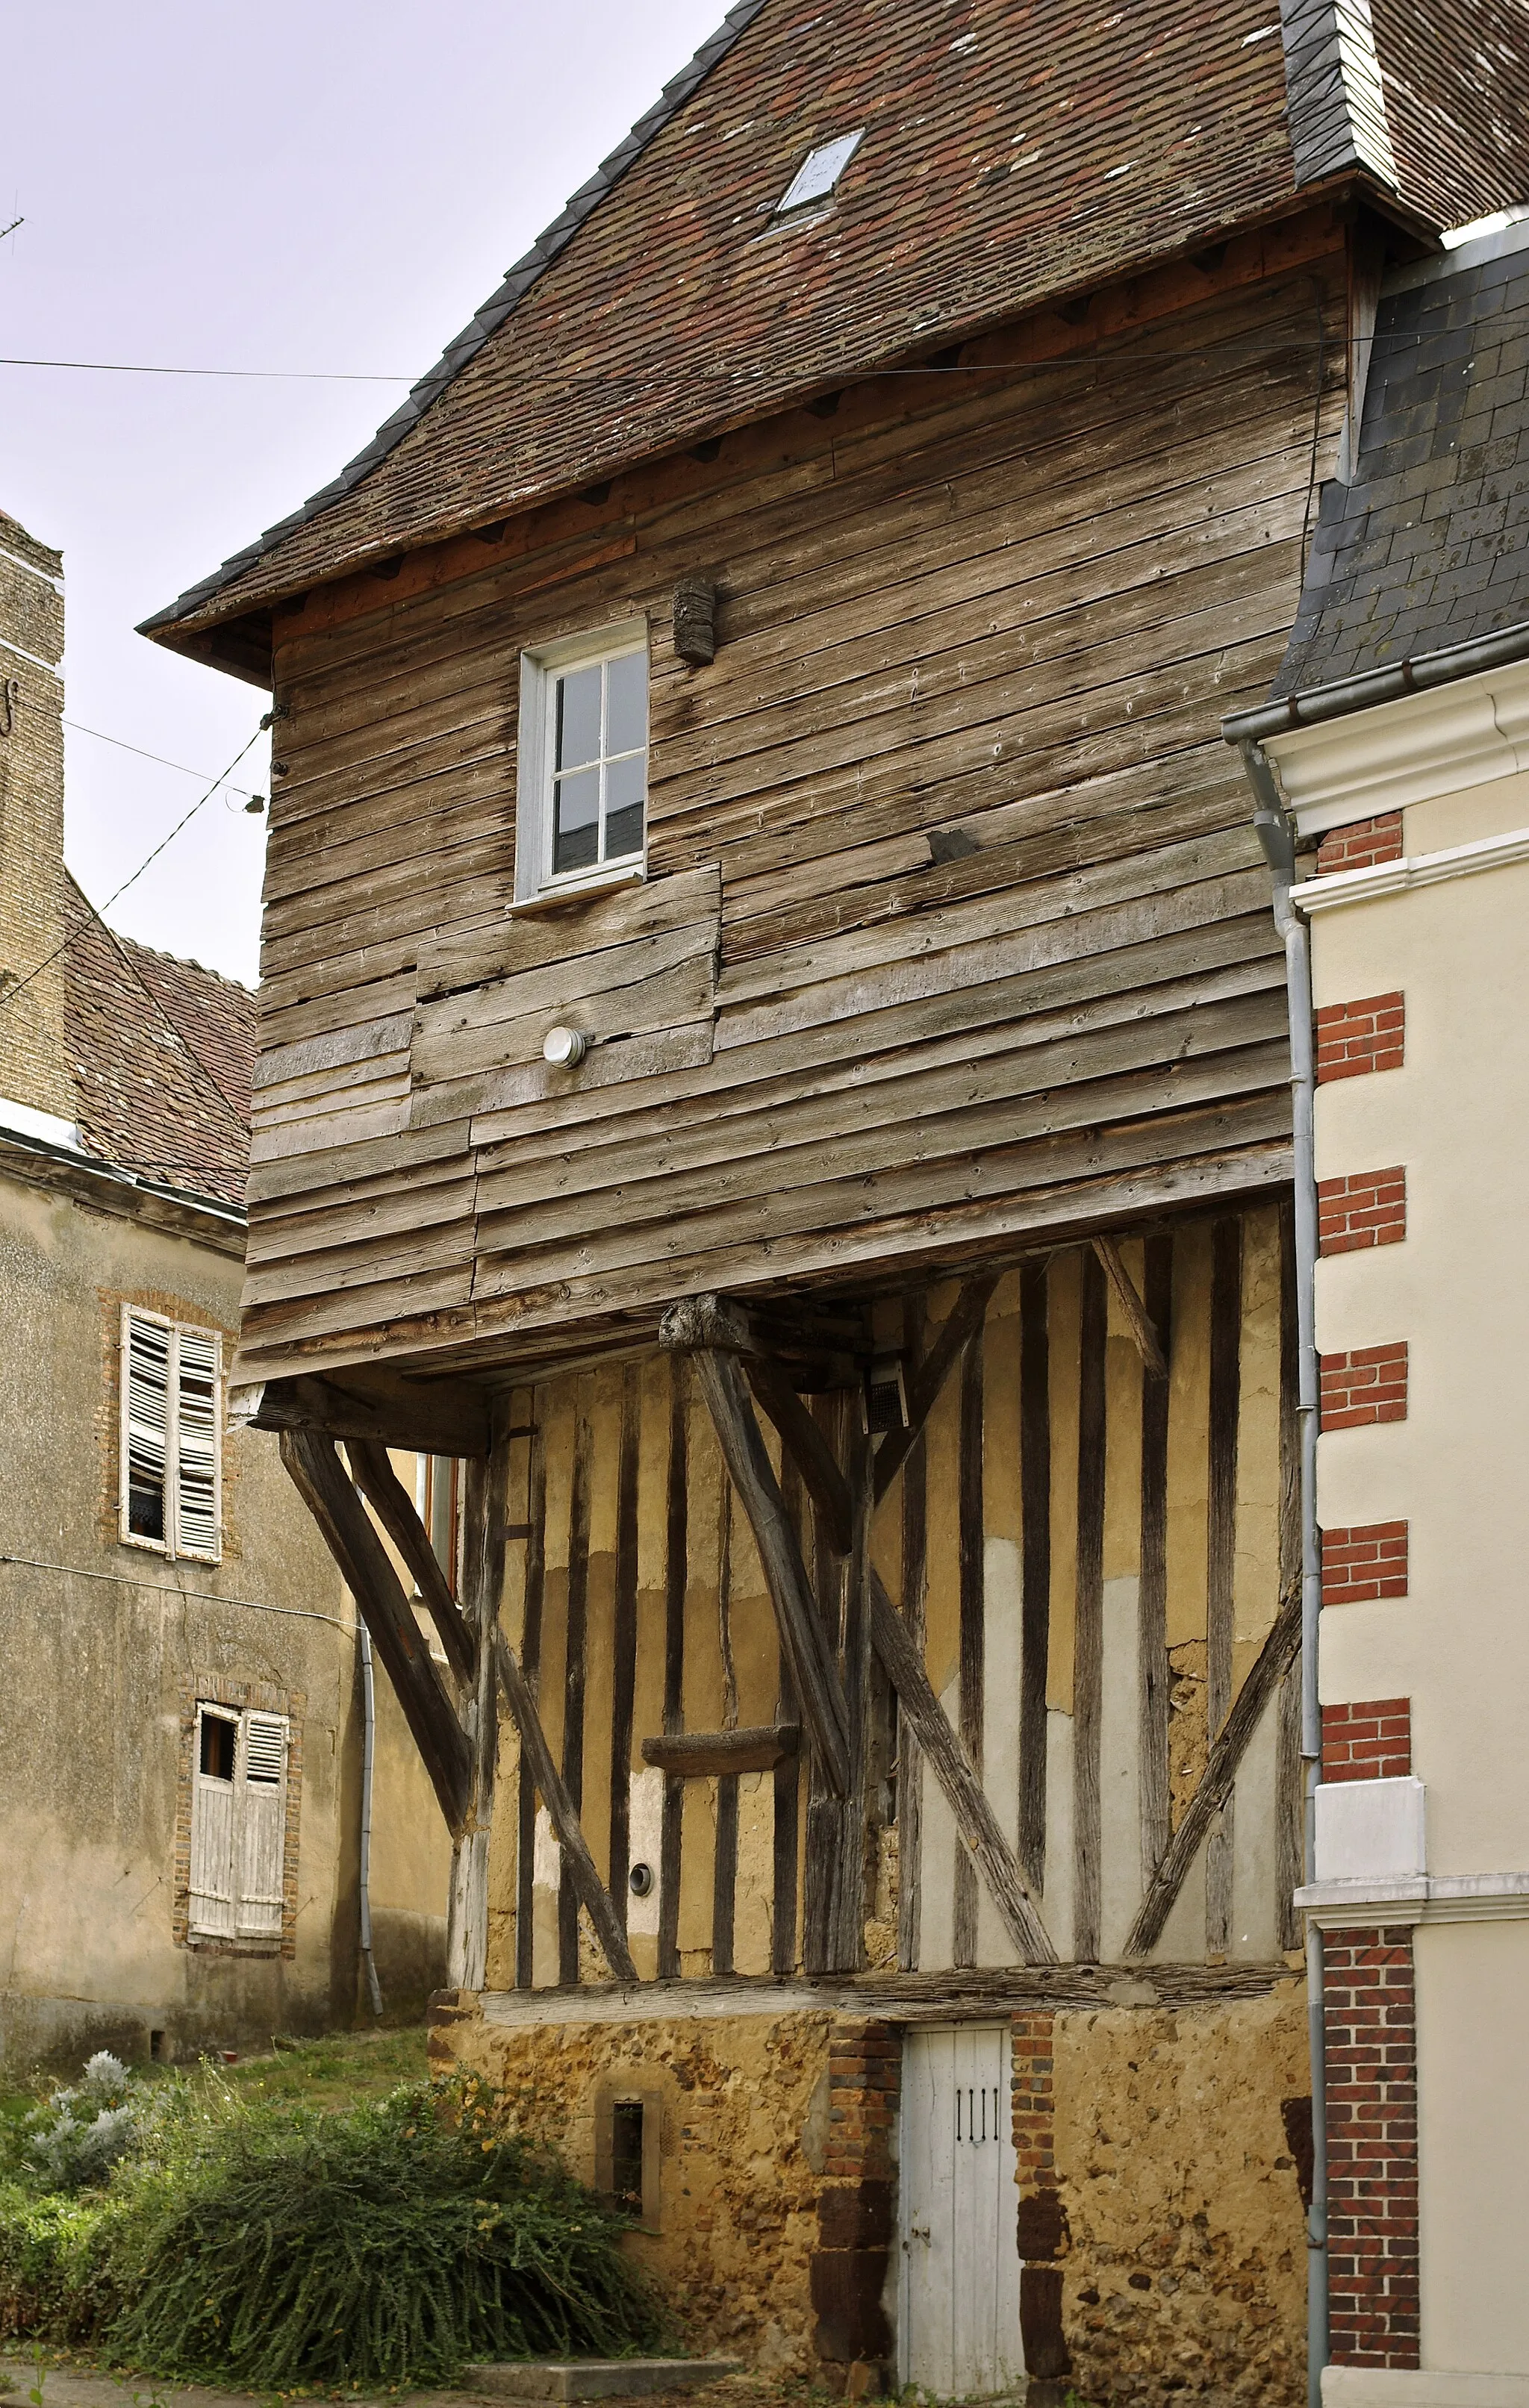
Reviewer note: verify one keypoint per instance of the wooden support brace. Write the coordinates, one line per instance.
(567, 1828)
(1148, 1343)
(976, 1823)
(1274, 1659)
(331, 1499)
(690, 1755)
(444, 1417)
(960, 1324)
(809, 1449)
(395, 1509)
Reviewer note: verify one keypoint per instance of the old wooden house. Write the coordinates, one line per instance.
(775, 1057)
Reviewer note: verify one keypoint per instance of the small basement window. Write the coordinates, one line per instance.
(582, 815)
(820, 172)
(629, 2135)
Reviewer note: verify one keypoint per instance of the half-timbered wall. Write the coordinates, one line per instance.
(1095, 1558)
(954, 931)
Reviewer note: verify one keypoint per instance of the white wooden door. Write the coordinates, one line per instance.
(958, 2321)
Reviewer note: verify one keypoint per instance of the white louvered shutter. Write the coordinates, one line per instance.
(212, 1820)
(263, 1803)
(148, 1366)
(196, 1482)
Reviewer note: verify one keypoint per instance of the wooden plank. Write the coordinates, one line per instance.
(395, 1509)
(812, 1671)
(951, 1765)
(696, 1755)
(1088, 1623)
(823, 1868)
(725, 1843)
(959, 1326)
(315, 1468)
(574, 1671)
(785, 1801)
(1144, 1336)
(578, 1864)
(477, 957)
(670, 999)
(910, 1780)
(1216, 1782)
(971, 1648)
(676, 1578)
(424, 1416)
(1034, 1565)
(529, 1668)
(1154, 1674)
(485, 1501)
(1222, 1547)
(856, 1812)
(624, 1641)
(820, 1474)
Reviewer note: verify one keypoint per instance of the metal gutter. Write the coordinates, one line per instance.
(1418, 674)
(206, 1219)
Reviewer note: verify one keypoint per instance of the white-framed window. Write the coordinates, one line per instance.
(238, 1809)
(171, 1451)
(582, 809)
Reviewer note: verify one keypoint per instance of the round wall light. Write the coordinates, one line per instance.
(564, 1048)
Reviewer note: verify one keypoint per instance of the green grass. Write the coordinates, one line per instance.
(338, 2072)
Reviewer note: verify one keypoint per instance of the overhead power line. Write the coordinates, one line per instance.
(122, 746)
(133, 367)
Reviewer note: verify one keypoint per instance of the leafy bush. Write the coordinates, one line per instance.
(53, 2283)
(75, 2140)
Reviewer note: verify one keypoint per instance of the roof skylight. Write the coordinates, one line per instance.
(819, 173)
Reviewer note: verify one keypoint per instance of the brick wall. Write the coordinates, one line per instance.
(1368, 1741)
(1042, 2220)
(1372, 2148)
(1368, 1209)
(1365, 1386)
(1366, 1035)
(1363, 1563)
(33, 1069)
(849, 2270)
(1361, 844)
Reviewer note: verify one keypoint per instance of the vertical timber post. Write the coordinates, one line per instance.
(486, 1504)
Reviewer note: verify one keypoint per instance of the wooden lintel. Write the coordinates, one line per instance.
(976, 1825)
(567, 1828)
(691, 1755)
(427, 1417)
(809, 1449)
(960, 1324)
(367, 1571)
(721, 1323)
(1227, 1749)
(395, 1509)
(1137, 1317)
(804, 1641)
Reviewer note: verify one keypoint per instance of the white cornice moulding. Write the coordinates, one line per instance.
(1411, 2386)
(1410, 751)
(1419, 869)
(1420, 1898)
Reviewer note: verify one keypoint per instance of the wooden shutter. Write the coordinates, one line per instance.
(213, 1825)
(263, 1811)
(197, 1453)
(146, 1394)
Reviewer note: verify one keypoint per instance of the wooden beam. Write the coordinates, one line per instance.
(367, 1572)
(393, 1507)
(965, 1317)
(1137, 1317)
(812, 1669)
(566, 1829)
(486, 1503)
(975, 1822)
(690, 1755)
(821, 1477)
(433, 1417)
(1226, 1753)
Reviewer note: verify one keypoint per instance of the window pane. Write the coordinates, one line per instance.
(626, 703)
(147, 1426)
(575, 836)
(217, 1762)
(578, 719)
(626, 785)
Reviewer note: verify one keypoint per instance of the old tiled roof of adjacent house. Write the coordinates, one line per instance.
(163, 1052)
(1014, 151)
(1429, 546)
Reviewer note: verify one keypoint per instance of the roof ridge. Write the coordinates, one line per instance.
(485, 321)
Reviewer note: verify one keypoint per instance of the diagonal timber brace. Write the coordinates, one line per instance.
(395, 1509)
(808, 1448)
(959, 1327)
(567, 1828)
(1149, 1345)
(332, 1499)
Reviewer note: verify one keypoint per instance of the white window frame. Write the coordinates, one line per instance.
(170, 1545)
(241, 1916)
(540, 670)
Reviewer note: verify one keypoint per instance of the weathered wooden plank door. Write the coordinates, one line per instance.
(958, 2307)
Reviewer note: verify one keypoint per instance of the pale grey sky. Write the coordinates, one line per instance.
(317, 184)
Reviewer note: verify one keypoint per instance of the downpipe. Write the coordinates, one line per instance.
(369, 1752)
(1274, 835)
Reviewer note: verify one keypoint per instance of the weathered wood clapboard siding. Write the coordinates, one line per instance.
(954, 930)
(1093, 1557)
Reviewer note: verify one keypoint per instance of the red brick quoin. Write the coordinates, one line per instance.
(1042, 2220)
(1363, 1563)
(1354, 1038)
(1372, 2148)
(1369, 1208)
(1361, 844)
(848, 2268)
(1368, 1385)
(1370, 1742)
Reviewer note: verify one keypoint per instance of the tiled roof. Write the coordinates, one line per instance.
(163, 1052)
(1429, 546)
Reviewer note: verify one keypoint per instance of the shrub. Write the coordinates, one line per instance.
(75, 2140)
(54, 2284)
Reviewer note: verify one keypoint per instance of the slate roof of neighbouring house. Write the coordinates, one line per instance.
(1429, 546)
(1014, 151)
(163, 1052)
